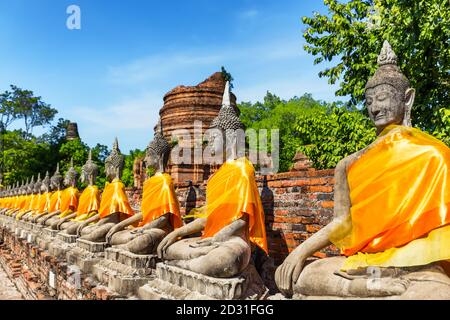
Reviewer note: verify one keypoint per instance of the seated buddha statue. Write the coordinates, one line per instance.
(114, 205)
(392, 219)
(36, 200)
(69, 198)
(43, 204)
(233, 217)
(56, 184)
(160, 210)
(88, 203)
(29, 201)
(21, 200)
(17, 200)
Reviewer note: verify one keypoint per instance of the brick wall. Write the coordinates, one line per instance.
(296, 204)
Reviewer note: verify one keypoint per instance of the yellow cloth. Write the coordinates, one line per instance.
(69, 201)
(44, 202)
(55, 201)
(115, 200)
(89, 202)
(400, 192)
(158, 199)
(231, 192)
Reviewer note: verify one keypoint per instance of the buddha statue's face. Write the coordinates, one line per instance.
(216, 140)
(386, 105)
(151, 159)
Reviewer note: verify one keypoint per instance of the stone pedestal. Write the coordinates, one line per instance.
(61, 245)
(124, 272)
(174, 283)
(85, 254)
(47, 236)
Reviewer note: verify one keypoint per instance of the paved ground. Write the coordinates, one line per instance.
(7, 289)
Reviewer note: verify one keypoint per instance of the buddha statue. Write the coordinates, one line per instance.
(69, 198)
(18, 192)
(160, 210)
(232, 219)
(56, 184)
(34, 206)
(391, 209)
(89, 201)
(30, 200)
(44, 199)
(114, 206)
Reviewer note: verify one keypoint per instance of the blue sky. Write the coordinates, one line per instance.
(111, 75)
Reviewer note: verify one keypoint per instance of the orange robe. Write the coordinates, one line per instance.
(231, 192)
(158, 199)
(55, 201)
(69, 201)
(114, 199)
(89, 202)
(44, 202)
(400, 195)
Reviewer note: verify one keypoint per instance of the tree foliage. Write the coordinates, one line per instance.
(324, 132)
(23, 104)
(350, 36)
(128, 176)
(327, 136)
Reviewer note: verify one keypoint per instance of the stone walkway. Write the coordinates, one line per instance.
(7, 289)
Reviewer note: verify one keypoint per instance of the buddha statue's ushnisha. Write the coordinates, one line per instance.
(392, 219)
(160, 210)
(114, 206)
(232, 219)
(69, 198)
(89, 201)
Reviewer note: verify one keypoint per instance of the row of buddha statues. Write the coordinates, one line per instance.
(391, 208)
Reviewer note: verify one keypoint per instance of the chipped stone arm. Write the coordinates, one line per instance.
(66, 219)
(87, 222)
(195, 226)
(122, 225)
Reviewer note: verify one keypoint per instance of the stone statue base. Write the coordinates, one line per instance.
(174, 283)
(61, 245)
(321, 281)
(85, 254)
(124, 272)
(47, 236)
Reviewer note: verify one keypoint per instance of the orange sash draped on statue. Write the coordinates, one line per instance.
(400, 191)
(55, 201)
(69, 201)
(89, 200)
(44, 202)
(115, 200)
(231, 192)
(158, 199)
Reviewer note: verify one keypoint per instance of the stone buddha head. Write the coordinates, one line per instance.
(114, 163)
(45, 185)
(389, 98)
(30, 186)
(70, 178)
(56, 181)
(225, 128)
(37, 185)
(89, 171)
(23, 188)
(158, 150)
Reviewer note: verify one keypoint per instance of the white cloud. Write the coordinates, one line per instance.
(165, 66)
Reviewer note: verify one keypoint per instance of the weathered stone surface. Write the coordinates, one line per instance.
(178, 284)
(124, 272)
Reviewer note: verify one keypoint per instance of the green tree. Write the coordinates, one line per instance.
(128, 176)
(23, 104)
(327, 136)
(227, 76)
(350, 36)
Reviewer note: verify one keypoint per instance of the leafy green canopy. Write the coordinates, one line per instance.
(350, 37)
(324, 132)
